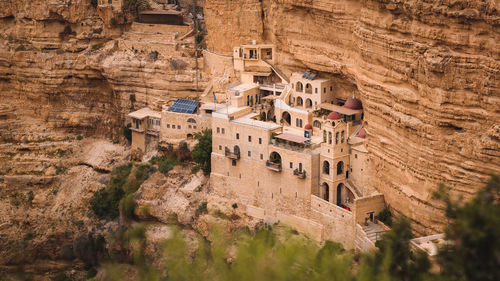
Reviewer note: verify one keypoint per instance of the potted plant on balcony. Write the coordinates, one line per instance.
(227, 150)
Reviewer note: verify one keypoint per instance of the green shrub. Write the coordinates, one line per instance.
(125, 180)
(127, 132)
(91, 273)
(97, 46)
(79, 137)
(235, 206)
(165, 164)
(202, 152)
(385, 217)
(105, 202)
(202, 209)
(127, 206)
(195, 169)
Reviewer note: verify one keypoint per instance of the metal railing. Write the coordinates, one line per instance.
(232, 155)
(300, 174)
(273, 166)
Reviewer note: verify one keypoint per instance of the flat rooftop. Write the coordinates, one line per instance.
(299, 76)
(249, 121)
(145, 112)
(300, 133)
(244, 87)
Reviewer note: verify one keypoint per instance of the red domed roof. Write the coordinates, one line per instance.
(362, 133)
(308, 127)
(334, 116)
(353, 103)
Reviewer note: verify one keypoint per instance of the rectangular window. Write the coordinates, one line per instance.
(324, 90)
(173, 126)
(260, 140)
(261, 157)
(168, 126)
(237, 136)
(331, 88)
(179, 127)
(218, 130)
(356, 156)
(220, 147)
(291, 165)
(223, 131)
(249, 138)
(249, 154)
(315, 90)
(194, 127)
(189, 126)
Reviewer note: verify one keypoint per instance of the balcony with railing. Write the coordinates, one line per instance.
(232, 155)
(300, 174)
(273, 166)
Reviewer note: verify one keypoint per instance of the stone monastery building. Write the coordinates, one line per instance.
(287, 149)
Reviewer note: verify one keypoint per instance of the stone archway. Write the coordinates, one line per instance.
(287, 119)
(325, 191)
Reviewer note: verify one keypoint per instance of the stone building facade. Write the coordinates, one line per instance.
(294, 155)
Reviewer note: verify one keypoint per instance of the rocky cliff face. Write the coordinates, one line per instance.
(427, 72)
(71, 65)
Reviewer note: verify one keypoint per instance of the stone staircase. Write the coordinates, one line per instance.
(373, 231)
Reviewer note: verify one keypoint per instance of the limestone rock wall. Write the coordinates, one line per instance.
(61, 62)
(427, 72)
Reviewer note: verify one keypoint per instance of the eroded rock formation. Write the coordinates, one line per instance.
(427, 72)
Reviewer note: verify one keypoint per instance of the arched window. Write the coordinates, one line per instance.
(308, 88)
(191, 120)
(317, 124)
(300, 102)
(299, 87)
(300, 167)
(309, 103)
(326, 167)
(324, 136)
(330, 137)
(337, 138)
(340, 168)
(300, 123)
(236, 149)
(342, 137)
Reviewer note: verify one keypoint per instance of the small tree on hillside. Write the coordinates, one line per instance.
(474, 253)
(394, 260)
(203, 150)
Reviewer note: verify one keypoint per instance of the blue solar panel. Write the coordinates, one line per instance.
(184, 106)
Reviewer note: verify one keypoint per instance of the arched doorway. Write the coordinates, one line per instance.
(275, 157)
(236, 149)
(339, 194)
(326, 167)
(309, 103)
(344, 195)
(325, 191)
(299, 101)
(340, 168)
(309, 88)
(286, 118)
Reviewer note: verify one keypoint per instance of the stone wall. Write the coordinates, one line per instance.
(364, 205)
